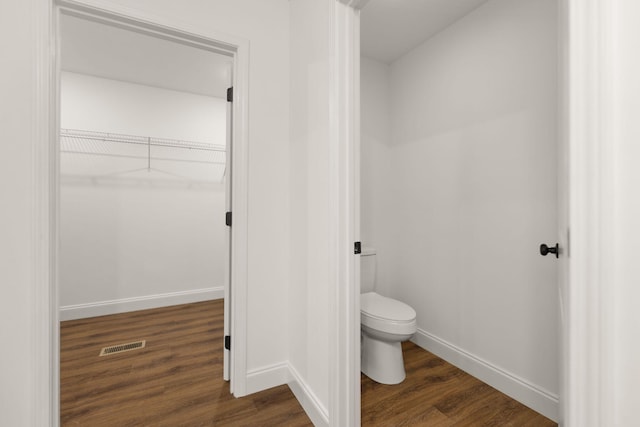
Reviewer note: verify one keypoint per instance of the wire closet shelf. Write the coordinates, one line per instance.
(152, 150)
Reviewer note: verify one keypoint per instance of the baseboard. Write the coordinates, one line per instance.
(103, 308)
(267, 377)
(310, 403)
(285, 373)
(518, 388)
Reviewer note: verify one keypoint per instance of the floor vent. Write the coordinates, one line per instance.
(121, 348)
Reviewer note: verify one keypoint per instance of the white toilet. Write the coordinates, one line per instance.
(385, 323)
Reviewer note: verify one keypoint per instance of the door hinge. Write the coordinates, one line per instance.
(227, 219)
(357, 248)
(227, 342)
(230, 94)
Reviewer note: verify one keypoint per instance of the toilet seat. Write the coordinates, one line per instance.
(386, 314)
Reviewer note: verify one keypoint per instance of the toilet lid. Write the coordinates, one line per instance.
(374, 305)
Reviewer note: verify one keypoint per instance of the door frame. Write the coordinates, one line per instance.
(344, 203)
(46, 197)
(585, 108)
(586, 390)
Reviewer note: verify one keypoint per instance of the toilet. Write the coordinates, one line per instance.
(385, 323)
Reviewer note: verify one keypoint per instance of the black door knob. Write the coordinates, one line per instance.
(544, 250)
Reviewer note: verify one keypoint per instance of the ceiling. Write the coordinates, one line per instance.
(391, 28)
(106, 51)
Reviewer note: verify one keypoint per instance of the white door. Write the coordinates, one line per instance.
(227, 282)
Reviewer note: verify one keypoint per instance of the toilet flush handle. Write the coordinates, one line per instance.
(544, 250)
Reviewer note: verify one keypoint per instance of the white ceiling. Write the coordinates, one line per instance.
(391, 28)
(105, 51)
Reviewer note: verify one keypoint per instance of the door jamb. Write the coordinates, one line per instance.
(344, 309)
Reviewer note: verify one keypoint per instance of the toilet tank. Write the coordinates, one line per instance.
(367, 270)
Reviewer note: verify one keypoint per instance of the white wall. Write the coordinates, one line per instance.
(625, 373)
(462, 189)
(376, 170)
(17, 282)
(265, 24)
(309, 189)
(104, 105)
(139, 239)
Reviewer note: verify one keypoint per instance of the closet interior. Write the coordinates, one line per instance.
(185, 160)
(143, 171)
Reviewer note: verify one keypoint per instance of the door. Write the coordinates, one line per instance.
(228, 221)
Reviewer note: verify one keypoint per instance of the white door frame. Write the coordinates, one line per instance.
(585, 392)
(227, 362)
(344, 314)
(46, 186)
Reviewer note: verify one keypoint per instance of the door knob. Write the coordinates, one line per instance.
(544, 250)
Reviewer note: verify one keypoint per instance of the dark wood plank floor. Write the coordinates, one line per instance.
(436, 393)
(175, 381)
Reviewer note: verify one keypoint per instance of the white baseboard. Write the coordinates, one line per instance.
(518, 388)
(310, 403)
(285, 373)
(267, 377)
(103, 308)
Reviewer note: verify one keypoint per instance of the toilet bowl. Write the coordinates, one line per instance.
(385, 323)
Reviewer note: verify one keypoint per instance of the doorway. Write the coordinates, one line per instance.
(143, 170)
(460, 155)
(139, 168)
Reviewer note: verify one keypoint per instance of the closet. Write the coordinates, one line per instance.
(190, 162)
(143, 171)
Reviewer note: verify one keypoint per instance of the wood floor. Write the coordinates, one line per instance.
(436, 393)
(176, 380)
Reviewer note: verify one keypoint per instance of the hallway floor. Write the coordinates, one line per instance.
(176, 380)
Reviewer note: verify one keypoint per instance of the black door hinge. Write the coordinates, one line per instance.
(227, 219)
(357, 248)
(230, 94)
(227, 342)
